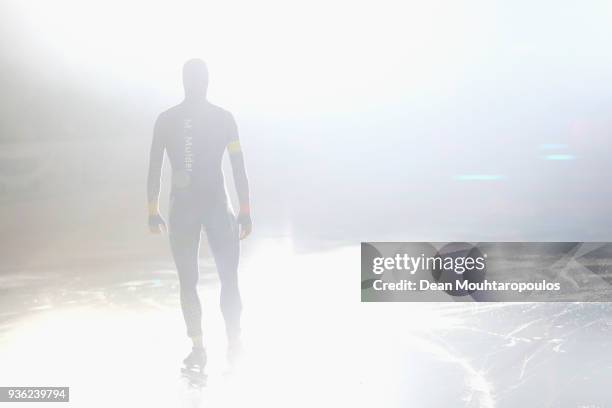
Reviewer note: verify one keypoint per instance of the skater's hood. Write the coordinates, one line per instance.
(195, 80)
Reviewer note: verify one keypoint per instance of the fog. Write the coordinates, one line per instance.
(359, 121)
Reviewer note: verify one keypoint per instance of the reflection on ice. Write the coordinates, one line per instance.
(117, 339)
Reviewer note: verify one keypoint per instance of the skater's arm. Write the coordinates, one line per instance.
(240, 179)
(156, 161)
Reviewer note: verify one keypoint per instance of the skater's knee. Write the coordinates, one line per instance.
(230, 289)
(189, 294)
(188, 281)
(228, 277)
(230, 298)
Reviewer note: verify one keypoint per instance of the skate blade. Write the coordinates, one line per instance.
(194, 378)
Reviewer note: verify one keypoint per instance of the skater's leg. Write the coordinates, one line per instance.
(222, 231)
(185, 241)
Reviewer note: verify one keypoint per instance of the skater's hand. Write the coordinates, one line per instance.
(157, 225)
(246, 225)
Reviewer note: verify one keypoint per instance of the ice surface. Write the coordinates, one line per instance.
(114, 334)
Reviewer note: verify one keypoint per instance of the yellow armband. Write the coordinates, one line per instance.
(234, 147)
(153, 208)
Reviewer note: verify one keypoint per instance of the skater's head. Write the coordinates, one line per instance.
(195, 79)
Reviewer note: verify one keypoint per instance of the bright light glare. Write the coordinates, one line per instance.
(306, 336)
